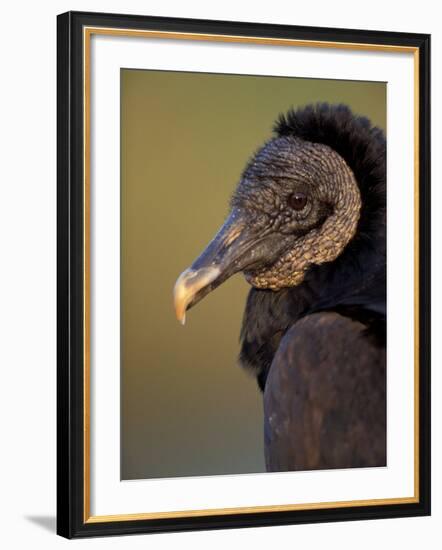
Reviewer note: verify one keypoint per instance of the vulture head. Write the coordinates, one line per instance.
(307, 229)
(298, 204)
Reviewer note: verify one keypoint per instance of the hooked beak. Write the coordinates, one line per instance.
(187, 286)
(219, 261)
(236, 247)
(222, 258)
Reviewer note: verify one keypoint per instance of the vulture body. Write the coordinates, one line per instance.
(308, 229)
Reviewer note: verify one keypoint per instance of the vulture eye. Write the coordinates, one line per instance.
(298, 201)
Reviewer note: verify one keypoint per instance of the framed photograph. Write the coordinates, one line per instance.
(267, 187)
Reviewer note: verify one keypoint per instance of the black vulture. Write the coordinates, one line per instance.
(307, 228)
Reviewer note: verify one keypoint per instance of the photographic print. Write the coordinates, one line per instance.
(283, 368)
(243, 271)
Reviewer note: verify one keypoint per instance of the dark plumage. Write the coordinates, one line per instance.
(358, 276)
(308, 230)
(331, 398)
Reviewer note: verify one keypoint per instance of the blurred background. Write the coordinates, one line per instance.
(188, 409)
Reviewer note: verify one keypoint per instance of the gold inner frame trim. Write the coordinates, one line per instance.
(87, 34)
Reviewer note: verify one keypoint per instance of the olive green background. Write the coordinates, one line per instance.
(187, 407)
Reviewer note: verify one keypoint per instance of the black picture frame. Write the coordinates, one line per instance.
(71, 498)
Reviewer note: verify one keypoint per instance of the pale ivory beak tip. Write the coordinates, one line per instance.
(188, 284)
(180, 298)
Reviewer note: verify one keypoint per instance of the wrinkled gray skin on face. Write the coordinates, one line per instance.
(272, 242)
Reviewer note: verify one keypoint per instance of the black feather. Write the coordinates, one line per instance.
(357, 278)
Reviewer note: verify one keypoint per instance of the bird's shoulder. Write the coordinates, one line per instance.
(322, 355)
(325, 338)
(326, 384)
